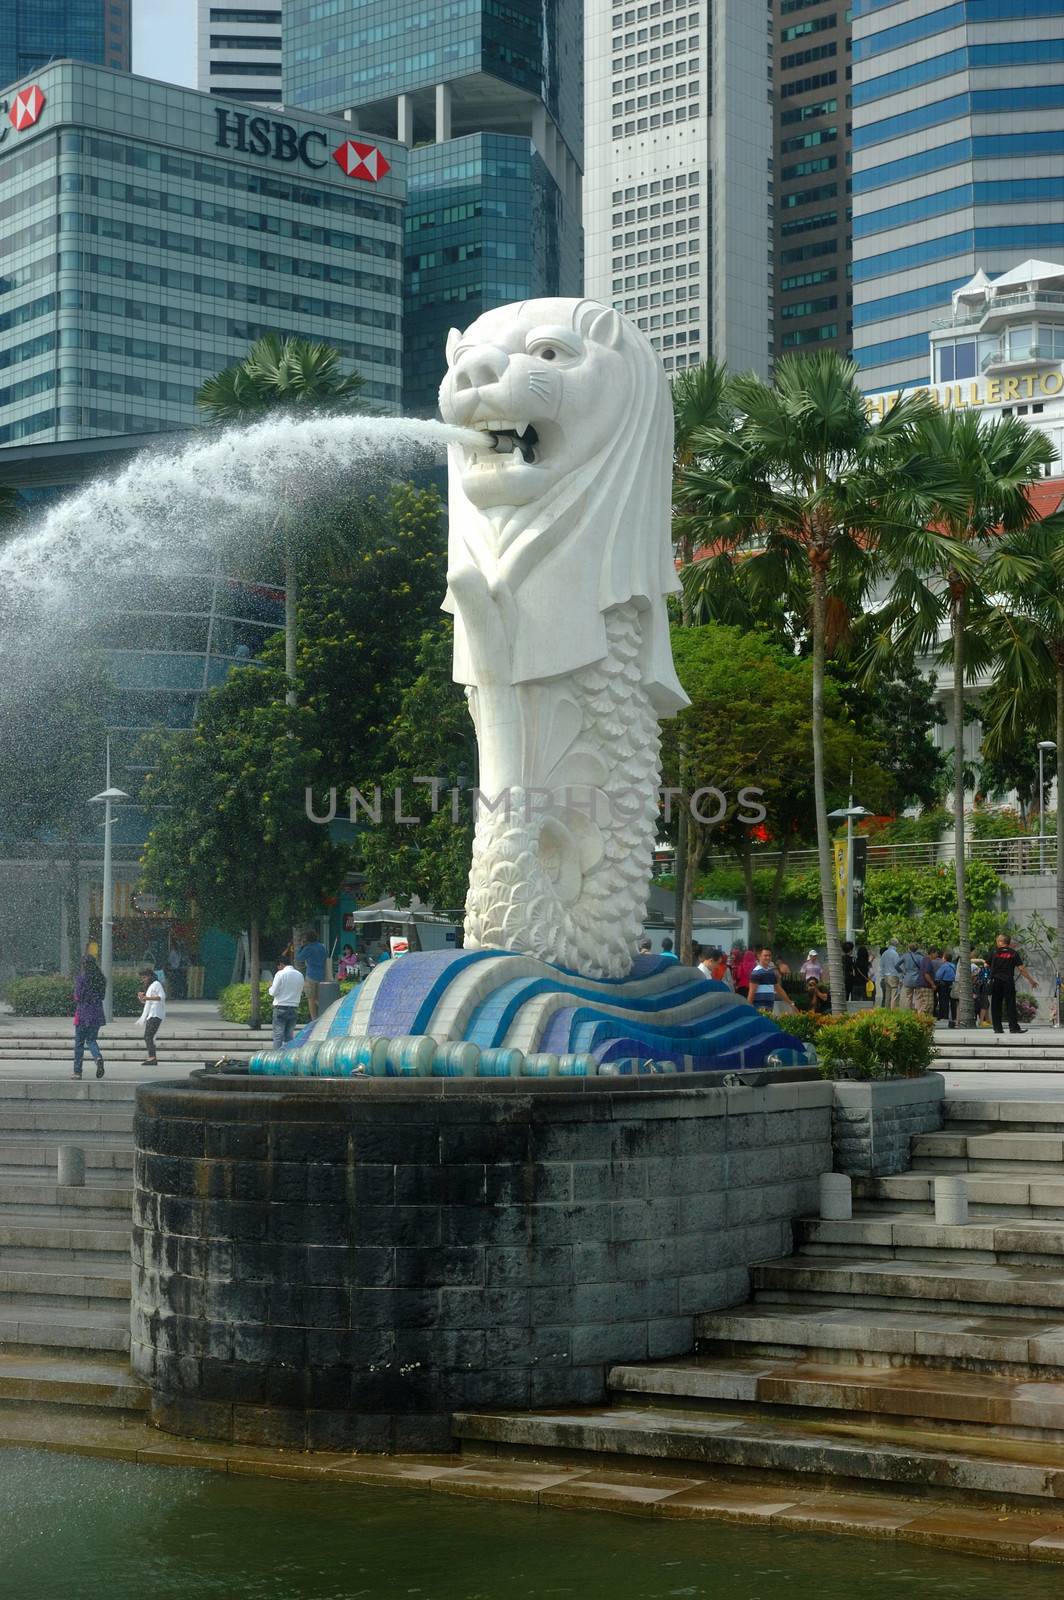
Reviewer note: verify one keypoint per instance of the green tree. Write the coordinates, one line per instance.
(816, 487)
(942, 579)
(360, 633)
(899, 711)
(432, 738)
(1027, 696)
(699, 403)
(748, 726)
(55, 740)
(230, 836)
(282, 375)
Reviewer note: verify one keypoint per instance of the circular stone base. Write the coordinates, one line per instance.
(337, 1265)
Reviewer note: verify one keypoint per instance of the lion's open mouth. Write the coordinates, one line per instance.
(505, 438)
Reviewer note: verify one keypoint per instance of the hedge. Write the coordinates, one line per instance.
(874, 1044)
(234, 1003)
(52, 995)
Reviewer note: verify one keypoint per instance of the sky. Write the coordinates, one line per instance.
(163, 39)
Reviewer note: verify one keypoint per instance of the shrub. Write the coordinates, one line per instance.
(872, 1045)
(52, 995)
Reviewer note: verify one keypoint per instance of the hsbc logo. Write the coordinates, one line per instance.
(23, 111)
(280, 141)
(363, 161)
(27, 108)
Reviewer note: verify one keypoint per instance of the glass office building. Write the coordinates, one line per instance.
(958, 133)
(35, 32)
(488, 98)
(151, 233)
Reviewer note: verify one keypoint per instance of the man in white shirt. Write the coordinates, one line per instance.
(286, 991)
(153, 997)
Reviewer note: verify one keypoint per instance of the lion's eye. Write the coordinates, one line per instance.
(548, 354)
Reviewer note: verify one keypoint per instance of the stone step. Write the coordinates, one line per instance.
(856, 1335)
(17, 1154)
(1017, 1192)
(882, 1236)
(31, 1328)
(858, 1452)
(70, 1384)
(942, 1284)
(42, 1280)
(46, 1091)
(73, 1237)
(38, 1198)
(986, 1152)
(65, 1126)
(1003, 1116)
(979, 1402)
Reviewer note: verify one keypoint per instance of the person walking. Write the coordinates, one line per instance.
(889, 964)
(862, 973)
(909, 977)
(981, 991)
(927, 988)
(1004, 962)
(811, 967)
(945, 1000)
(747, 963)
(286, 991)
(90, 986)
(765, 989)
(153, 999)
(312, 956)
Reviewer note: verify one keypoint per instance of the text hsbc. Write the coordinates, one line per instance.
(263, 136)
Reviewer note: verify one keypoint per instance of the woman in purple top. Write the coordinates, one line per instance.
(90, 986)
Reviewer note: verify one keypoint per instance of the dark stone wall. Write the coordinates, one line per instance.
(335, 1265)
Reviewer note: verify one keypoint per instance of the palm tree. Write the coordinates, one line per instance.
(955, 557)
(807, 479)
(1027, 636)
(699, 402)
(282, 374)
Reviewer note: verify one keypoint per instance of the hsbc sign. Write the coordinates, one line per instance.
(280, 141)
(22, 111)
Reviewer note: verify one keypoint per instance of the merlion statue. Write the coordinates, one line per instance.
(560, 560)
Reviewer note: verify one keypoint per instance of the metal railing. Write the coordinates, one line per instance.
(1022, 857)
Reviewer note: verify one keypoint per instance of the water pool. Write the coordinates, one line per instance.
(76, 1529)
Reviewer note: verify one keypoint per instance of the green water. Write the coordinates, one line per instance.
(75, 1529)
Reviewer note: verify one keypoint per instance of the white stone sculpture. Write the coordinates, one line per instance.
(560, 559)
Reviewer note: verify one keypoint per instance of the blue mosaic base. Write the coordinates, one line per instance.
(493, 1014)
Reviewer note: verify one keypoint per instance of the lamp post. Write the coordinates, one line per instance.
(108, 796)
(1043, 746)
(849, 812)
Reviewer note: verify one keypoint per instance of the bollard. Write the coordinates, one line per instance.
(71, 1166)
(951, 1200)
(836, 1197)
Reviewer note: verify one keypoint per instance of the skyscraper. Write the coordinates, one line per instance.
(238, 50)
(958, 133)
(679, 147)
(489, 100)
(811, 167)
(34, 32)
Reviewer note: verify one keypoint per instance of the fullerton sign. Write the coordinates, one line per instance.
(1047, 385)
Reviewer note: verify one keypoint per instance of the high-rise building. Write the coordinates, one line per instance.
(958, 133)
(679, 154)
(238, 50)
(152, 233)
(34, 32)
(489, 99)
(813, 293)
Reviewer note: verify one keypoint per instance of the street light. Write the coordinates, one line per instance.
(849, 812)
(1043, 746)
(109, 796)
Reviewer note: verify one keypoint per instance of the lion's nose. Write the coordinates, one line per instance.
(480, 367)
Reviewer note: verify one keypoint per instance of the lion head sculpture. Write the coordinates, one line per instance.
(564, 512)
